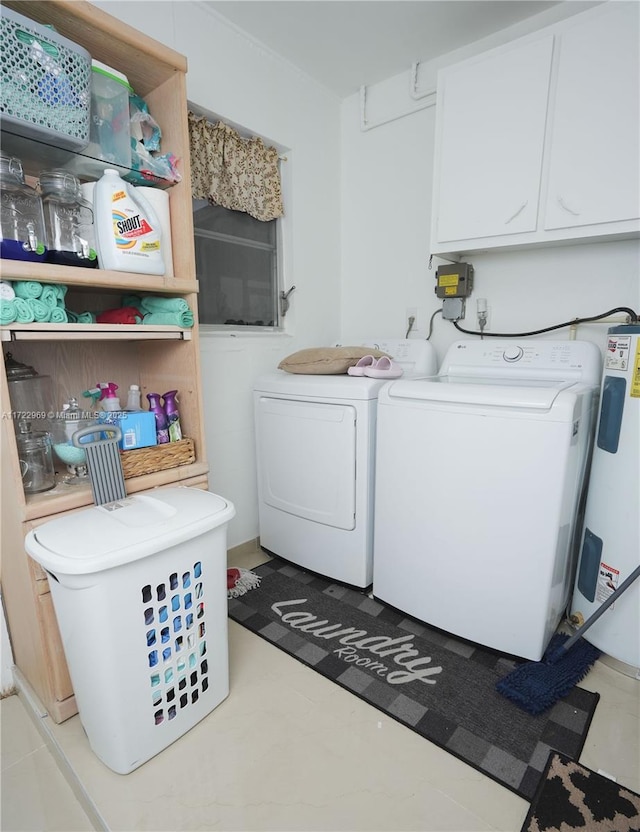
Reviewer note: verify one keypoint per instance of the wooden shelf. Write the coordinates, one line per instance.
(69, 497)
(93, 332)
(95, 278)
(148, 64)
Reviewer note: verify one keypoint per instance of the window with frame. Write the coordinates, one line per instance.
(237, 266)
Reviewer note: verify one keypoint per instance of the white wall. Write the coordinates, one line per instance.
(359, 205)
(387, 175)
(235, 78)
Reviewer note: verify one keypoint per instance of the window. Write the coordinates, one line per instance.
(237, 266)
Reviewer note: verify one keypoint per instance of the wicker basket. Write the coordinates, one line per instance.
(158, 458)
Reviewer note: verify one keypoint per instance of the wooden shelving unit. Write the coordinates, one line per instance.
(77, 356)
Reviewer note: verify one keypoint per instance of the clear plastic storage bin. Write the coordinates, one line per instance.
(140, 593)
(109, 133)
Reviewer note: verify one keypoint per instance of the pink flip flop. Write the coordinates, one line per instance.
(384, 368)
(364, 363)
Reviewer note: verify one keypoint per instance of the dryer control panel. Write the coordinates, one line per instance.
(416, 356)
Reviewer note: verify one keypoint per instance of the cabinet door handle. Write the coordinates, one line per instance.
(519, 211)
(566, 208)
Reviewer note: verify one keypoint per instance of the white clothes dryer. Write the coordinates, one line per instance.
(315, 442)
(479, 473)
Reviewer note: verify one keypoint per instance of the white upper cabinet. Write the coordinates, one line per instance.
(493, 118)
(594, 170)
(538, 141)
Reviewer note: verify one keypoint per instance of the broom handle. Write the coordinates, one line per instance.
(602, 609)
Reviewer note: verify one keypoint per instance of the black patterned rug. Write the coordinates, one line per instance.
(572, 797)
(437, 685)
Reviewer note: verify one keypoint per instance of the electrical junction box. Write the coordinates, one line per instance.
(454, 280)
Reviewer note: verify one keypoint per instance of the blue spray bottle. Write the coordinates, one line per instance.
(155, 407)
(173, 415)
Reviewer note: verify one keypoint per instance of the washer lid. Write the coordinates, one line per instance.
(493, 392)
(124, 531)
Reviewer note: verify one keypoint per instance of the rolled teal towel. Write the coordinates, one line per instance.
(8, 311)
(41, 312)
(153, 303)
(86, 318)
(24, 312)
(27, 289)
(61, 291)
(49, 296)
(132, 300)
(182, 319)
(59, 316)
(72, 317)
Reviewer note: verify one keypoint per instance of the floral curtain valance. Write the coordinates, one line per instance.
(240, 174)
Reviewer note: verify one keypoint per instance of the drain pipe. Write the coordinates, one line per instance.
(611, 319)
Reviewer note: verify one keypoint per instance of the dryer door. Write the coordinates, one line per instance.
(307, 459)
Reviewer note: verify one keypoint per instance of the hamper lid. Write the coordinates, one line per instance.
(103, 537)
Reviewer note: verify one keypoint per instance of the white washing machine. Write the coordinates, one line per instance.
(610, 548)
(479, 473)
(315, 442)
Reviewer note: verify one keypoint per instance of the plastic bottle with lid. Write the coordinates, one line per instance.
(108, 399)
(133, 398)
(128, 231)
(162, 427)
(21, 214)
(68, 219)
(173, 415)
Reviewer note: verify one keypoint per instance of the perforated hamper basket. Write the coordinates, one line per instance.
(139, 592)
(46, 83)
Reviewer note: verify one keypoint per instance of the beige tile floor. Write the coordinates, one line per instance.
(287, 750)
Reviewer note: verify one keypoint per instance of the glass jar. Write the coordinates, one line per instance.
(21, 214)
(30, 394)
(68, 220)
(68, 421)
(36, 461)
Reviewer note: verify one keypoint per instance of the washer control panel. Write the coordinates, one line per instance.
(513, 353)
(524, 358)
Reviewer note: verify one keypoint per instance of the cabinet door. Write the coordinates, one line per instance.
(492, 115)
(594, 174)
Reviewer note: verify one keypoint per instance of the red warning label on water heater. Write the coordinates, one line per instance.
(607, 581)
(617, 356)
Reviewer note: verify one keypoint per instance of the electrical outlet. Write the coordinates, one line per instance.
(482, 312)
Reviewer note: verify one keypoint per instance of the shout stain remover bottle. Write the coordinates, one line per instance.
(128, 231)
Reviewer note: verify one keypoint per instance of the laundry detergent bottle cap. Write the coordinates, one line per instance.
(108, 398)
(128, 232)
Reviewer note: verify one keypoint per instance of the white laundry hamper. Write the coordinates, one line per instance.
(139, 591)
